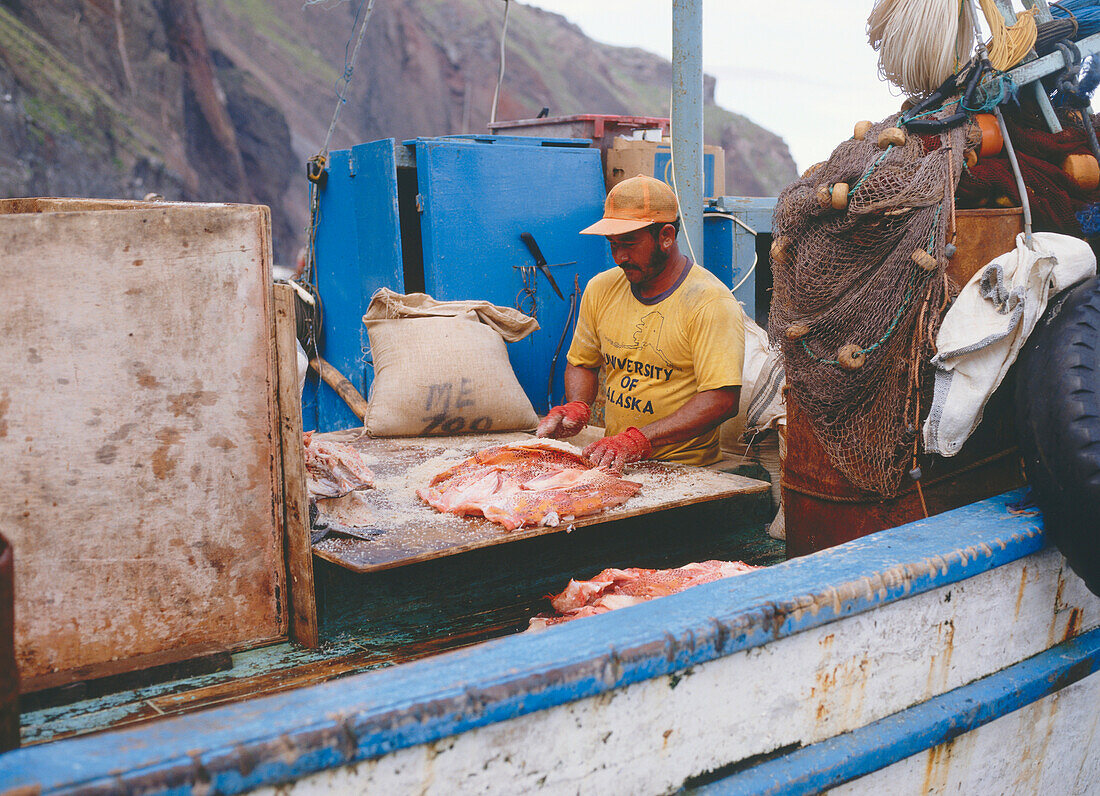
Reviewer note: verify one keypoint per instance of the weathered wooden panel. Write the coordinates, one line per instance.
(138, 442)
(299, 557)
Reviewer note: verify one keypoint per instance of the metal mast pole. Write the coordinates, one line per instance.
(687, 117)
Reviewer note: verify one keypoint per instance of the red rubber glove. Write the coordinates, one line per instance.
(613, 452)
(565, 420)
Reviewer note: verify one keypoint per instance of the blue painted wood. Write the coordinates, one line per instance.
(289, 735)
(358, 251)
(477, 197)
(516, 140)
(851, 755)
(662, 168)
(731, 249)
(756, 211)
(729, 255)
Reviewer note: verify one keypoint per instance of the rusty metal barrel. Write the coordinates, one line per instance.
(9, 675)
(823, 508)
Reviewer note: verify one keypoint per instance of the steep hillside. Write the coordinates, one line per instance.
(225, 99)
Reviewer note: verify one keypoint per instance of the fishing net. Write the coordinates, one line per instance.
(1054, 197)
(856, 306)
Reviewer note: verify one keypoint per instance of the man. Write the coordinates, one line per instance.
(667, 332)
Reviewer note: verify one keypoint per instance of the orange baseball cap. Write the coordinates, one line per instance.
(633, 204)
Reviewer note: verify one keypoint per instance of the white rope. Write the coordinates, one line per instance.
(920, 43)
(500, 75)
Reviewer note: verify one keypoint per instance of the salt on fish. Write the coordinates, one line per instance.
(529, 484)
(334, 469)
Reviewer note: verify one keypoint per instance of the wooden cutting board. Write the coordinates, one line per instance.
(406, 530)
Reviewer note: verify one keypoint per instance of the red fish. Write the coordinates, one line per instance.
(527, 485)
(619, 588)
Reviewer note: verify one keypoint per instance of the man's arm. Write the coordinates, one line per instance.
(571, 417)
(580, 383)
(702, 412)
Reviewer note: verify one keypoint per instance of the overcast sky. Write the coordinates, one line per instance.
(802, 69)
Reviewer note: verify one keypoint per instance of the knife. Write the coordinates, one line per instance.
(540, 261)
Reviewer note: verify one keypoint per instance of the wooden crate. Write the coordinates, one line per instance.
(139, 432)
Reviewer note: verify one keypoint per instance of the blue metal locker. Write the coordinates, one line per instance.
(476, 195)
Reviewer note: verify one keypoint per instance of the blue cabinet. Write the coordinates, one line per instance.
(444, 215)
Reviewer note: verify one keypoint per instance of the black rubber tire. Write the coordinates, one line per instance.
(1058, 417)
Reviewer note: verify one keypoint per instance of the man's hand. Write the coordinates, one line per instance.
(613, 452)
(565, 420)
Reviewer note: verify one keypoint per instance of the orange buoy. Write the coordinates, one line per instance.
(971, 158)
(1083, 170)
(992, 141)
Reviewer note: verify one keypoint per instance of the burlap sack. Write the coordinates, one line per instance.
(442, 374)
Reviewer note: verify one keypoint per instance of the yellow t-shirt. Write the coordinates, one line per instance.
(660, 352)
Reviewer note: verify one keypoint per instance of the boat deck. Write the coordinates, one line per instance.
(387, 617)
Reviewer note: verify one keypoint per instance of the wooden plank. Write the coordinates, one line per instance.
(409, 531)
(138, 441)
(299, 560)
(86, 682)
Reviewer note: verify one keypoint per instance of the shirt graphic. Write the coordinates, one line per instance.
(647, 334)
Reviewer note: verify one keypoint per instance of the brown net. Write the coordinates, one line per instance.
(856, 305)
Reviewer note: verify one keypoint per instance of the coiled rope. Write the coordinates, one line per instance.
(1009, 45)
(920, 42)
(1086, 13)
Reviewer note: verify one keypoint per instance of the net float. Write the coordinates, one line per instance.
(781, 250)
(859, 132)
(891, 136)
(812, 169)
(1083, 170)
(840, 196)
(851, 357)
(796, 331)
(925, 260)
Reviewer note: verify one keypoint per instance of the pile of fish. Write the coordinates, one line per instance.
(334, 469)
(618, 588)
(527, 484)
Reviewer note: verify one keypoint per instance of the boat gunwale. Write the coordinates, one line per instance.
(282, 737)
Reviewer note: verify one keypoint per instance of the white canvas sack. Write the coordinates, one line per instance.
(988, 324)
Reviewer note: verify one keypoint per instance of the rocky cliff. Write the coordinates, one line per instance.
(223, 100)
